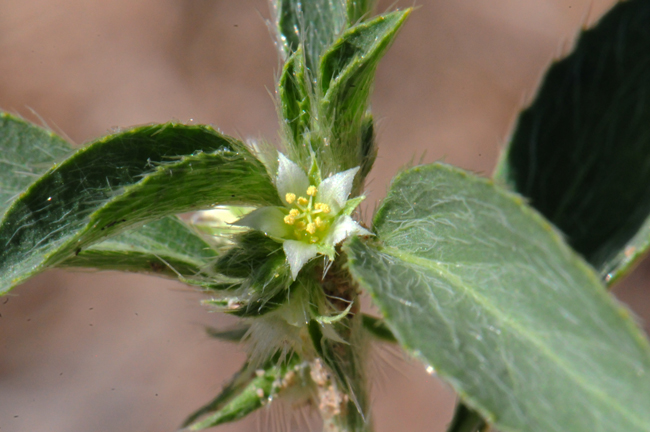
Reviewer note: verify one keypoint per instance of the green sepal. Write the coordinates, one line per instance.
(351, 205)
(580, 153)
(314, 174)
(124, 181)
(28, 151)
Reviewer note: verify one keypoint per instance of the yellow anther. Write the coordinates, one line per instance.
(311, 228)
(289, 220)
(294, 212)
(290, 197)
(323, 207)
(300, 225)
(319, 222)
(303, 201)
(311, 191)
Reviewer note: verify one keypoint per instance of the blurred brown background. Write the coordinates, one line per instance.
(115, 352)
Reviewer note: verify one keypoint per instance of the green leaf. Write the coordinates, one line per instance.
(581, 152)
(346, 75)
(260, 276)
(315, 24)
(368, 151)
(233, 334)
(27, 152)
(123, 181)
(348, 66)
(465, 420)
(295, 104)
(481, 288)
(249, 390)
(359, 10)
(377, 327)
(166, 247)
(236, 385)
(259, 263)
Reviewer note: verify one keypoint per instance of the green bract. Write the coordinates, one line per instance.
(315, 216)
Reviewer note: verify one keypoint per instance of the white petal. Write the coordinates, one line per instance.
(269, 220)
(336, 189)
(291, 178)
(298, 254)
(344, 228)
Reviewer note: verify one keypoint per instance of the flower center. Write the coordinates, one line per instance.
(310, 219)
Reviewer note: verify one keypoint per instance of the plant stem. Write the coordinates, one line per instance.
(340, 372)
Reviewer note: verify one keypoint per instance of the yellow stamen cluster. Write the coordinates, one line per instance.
(322, 207)
(303, 216)
(290, 219)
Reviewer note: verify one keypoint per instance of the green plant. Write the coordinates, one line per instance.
(469, 278)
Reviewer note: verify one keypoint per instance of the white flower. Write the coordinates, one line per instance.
(314, 218)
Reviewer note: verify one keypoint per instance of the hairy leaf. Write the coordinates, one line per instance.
(581, 152)
(368, 152)
(260, 277)
(315, 24)
(232, 334)
(359, 10)
(123, 181)
(236, 385)
(295, 104)
(480, 287)
(249, 390)
(27, 152)
(166, 247)
(377, 327)
(346, 75)
(465, 420)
